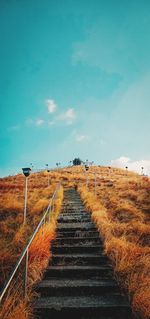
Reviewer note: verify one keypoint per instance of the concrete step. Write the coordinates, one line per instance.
(74, 220)
(71, 249)
(77, 241)
(78, 271)
(76, 287)
(75, 214)
(113, 306)
(79, 259)
(73, 206)
(76, 226)
(78, 233)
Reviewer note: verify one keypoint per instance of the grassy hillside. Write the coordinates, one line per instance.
(119, 204)
(14, 235)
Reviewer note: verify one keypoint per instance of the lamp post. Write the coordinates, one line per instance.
(48, 177)
(26, 172)
(58, 164)
(126, 168)
(142, 170)
(48, 170)
(86, 170)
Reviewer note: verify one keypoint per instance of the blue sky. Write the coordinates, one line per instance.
(74, 81)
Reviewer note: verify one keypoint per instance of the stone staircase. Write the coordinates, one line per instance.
(79, 281)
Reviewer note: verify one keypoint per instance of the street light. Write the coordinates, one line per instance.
(26, 172)
(48, 177)
(142, 170)
(86, 172)
(48, 170)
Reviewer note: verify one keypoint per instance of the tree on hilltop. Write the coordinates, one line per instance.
(77, 161)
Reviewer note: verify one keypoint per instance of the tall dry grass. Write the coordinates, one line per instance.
(13, 234)
(15, 305)
(120, 210)
(126, 243)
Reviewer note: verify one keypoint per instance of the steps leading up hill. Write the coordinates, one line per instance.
(79, 281)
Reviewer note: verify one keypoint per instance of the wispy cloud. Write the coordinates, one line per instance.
(135, 166)
(69, 116)
(51, 105)
(81, 138)
(39, 122)
(33, 122)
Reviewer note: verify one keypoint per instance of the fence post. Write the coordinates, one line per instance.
(26, 273)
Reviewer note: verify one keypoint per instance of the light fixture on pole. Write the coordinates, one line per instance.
(142, 170)
(126, 168)
(48, 170)
(26, 172)
(86, 170)
(58, 164)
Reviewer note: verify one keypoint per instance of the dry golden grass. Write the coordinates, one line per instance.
(14, 238)
(39, 255)
(13, 234)
(120, 210)
(126, 235)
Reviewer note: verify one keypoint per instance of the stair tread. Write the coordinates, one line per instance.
(71, 225)
(79, 246)
(76, 267)
(113, 300)
(77, 283)
(78, 238)
(97, 255)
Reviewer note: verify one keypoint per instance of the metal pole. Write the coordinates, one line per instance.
(25, 200)
(26, 274)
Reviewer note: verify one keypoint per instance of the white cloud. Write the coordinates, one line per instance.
(51, 105)
(69, 116)
(81, 138)
(39, 122)
(31, 122)
(135, 166)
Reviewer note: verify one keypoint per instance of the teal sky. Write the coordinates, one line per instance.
(74, 81)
